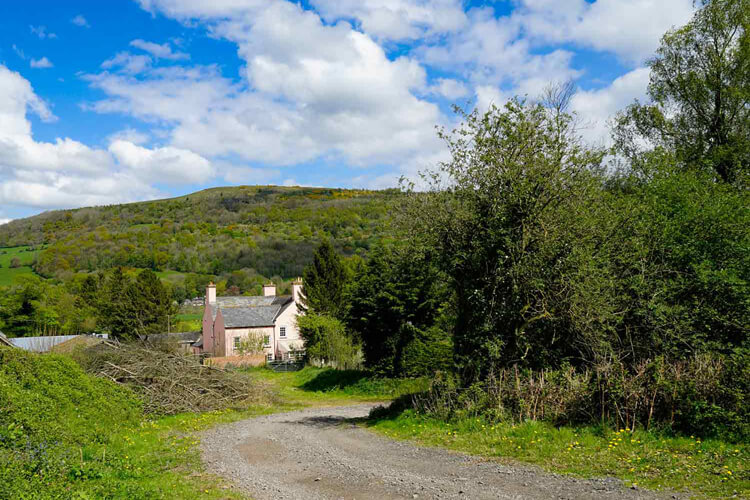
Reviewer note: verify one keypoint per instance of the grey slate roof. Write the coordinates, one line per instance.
(4, 340)
(249, 312)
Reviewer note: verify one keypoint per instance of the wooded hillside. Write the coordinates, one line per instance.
(271, 229)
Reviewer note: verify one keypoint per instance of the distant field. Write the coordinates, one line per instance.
(26, 256)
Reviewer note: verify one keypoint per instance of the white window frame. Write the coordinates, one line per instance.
(282, 332)
(266, 341)
(269, 356)
(236, 344)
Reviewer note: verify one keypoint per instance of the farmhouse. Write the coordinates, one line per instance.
(231, 323)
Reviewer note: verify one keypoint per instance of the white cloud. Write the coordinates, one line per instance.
(597, 107)
(159, 51)
(168, 165)
(41, 32)
(248, 175)
(631, 30)
(128, 62)
(491, 51)
(67, 173)
(130, 135)
(327, 91)
(397, 19)
(4, 221)
(41, 63)
(449, 88)
(81, 21)
(20, 53)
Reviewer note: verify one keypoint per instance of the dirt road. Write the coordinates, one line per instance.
(321, 454)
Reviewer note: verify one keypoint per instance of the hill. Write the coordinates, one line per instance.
(272, 230)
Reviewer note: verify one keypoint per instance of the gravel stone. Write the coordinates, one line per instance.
(321, 453)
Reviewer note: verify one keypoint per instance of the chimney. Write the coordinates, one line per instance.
(269, 290)
(211, 293)
(297, 290)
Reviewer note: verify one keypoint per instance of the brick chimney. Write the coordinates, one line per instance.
(211, 294)
(297, 290)
(269, 290)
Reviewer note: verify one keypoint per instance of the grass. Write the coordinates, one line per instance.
(326, 386)
(26, 256)
(66, 434)
(187, 322)
(713, 469)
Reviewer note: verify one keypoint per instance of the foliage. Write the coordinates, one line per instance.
(398, 307)
(324, 282)
(271, 230)
(327, 342)
(699, 92)
(251, 344)
(66, 434)
(511, 230)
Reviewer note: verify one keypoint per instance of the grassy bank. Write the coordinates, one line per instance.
(66, 434)
(713, 469)
(313, 385)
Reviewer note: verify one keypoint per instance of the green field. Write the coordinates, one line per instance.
(26, 256)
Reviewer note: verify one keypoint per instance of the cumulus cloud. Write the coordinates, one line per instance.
(328, 90)
(168, 165)
(4, 221)
(68, 173)
(41, 63)
(81, 21)
(631, 30)
(159, 51)
(127, 62)
(598, 106)
(397, 19)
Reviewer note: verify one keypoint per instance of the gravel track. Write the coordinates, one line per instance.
(321, 453)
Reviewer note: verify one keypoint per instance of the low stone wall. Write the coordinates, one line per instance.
(247, 360)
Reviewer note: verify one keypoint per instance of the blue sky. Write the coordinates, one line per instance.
(109, 102)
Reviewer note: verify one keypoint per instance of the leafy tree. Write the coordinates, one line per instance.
(327, 342)
(114, 310)
(699, 91)
(324, 282)
(15, 262)
(507, 227)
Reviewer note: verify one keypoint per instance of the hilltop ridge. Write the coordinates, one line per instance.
(272, 229)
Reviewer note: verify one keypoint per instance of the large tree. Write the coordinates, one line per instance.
(506, 217)
(324, 282)
(699, 92)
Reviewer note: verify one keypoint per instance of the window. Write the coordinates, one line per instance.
(266, 341)
(236, 343)
(282, 331)
(269, 357)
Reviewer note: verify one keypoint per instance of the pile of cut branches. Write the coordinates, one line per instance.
(172, 383)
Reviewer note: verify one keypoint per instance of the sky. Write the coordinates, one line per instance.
(128, 100)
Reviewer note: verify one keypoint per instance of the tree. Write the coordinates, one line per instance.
(508, 228)
(327, 342)
(148, 304)
(395, 297)
(15, 262)
(324, 282)
(699, 94)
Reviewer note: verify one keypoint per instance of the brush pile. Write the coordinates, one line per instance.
(169, 382)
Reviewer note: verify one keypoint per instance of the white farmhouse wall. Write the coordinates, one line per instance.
(288, 319)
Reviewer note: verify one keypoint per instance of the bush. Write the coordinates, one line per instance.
(327, 343)
(705, 395)
(49, 410)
